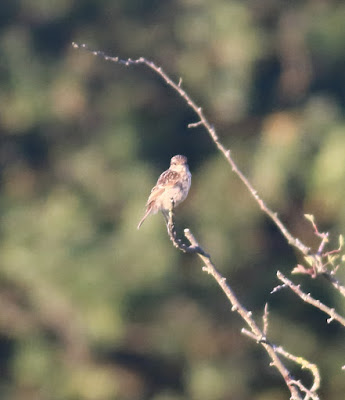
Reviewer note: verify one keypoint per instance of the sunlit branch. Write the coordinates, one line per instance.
(246, 315)
(211, 131)
(306, 297)
(297, 389)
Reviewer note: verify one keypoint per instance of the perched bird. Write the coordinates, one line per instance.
(172, 185)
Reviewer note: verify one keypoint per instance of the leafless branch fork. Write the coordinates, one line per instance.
(297, 389)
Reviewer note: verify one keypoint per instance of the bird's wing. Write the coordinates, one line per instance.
(167, 180)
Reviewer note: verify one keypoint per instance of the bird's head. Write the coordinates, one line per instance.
(178, 161)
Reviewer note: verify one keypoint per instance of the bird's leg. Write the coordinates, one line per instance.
(171, 229)
(168, 216)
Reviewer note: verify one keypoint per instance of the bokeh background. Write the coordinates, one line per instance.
(91, 308)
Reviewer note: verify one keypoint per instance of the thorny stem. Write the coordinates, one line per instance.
(212, 132)
(296, 387)
(265, 320)
(175, 240)
(203, 121)
(298, 360)
(304, 365)
(319, 265)
(306, 297)
(257, 333)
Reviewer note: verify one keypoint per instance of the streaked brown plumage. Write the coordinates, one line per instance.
(173, 184)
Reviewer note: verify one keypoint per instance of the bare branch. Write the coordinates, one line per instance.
(298, 360)
(255, 332)
(212, 132)
(247, 317)
(194, 124)
(304, 365)
(309, 395)
(265, 320)
(175, 240)
(309, 299)
(322, 263)
(296, 387)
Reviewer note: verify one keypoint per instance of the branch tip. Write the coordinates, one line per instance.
(254, 332)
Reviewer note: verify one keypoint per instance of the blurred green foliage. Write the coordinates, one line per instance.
(91, 308)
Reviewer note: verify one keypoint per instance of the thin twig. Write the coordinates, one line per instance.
(212, 132)
(265, 320)
(309, 299)
(175, 240)
(321, 259)
(304, 365)
(194, 247)
(298, 360)
(247, 317)
(309, 395)
(255, 332)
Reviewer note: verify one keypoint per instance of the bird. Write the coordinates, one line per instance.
(171, 188)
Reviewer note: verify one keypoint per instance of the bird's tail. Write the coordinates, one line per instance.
(147, 213)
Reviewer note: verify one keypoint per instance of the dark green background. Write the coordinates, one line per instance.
(91, 308)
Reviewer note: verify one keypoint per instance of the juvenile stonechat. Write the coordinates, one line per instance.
(172, 186)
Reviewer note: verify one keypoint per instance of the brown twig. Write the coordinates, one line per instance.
(265, 320)
(309, 395)
(175, 240)
(255, 332)
(305, 250)
(296, 387)
(333, 315)
(318, 263)
(298, 360)
(304, 365)
(212, 132)
(246, 315)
